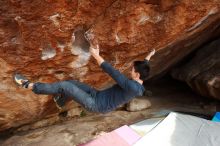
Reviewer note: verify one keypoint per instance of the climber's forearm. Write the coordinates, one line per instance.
(95, 53)
(150, 55)
(99, 59)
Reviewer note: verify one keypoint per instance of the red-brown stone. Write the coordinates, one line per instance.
(44, 40)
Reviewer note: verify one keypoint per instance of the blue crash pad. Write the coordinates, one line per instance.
(216, 118)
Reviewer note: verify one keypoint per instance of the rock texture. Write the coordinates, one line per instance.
(44, 40)
(202, 73)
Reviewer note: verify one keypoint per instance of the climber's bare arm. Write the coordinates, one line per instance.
(150, 55)
(95, 53)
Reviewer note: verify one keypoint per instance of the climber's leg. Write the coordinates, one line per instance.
(80, 92)
(67, 89)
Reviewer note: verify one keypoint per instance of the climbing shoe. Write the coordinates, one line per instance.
(60, 101)
(63, 113)
(21, 80)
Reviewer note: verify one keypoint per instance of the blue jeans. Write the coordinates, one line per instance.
(80, 92)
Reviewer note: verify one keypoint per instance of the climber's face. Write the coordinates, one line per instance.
(134, 75)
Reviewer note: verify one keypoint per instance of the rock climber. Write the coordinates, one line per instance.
(93, 100)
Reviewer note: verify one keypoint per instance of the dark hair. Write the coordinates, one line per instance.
(142, 67)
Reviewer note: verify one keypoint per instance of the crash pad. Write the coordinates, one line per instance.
(123, 136)
(182, 130)
(145, 126)
(216, 118)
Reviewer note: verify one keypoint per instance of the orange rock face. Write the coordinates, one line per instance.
(44, 40)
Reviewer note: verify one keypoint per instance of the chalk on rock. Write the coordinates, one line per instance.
(80, 48)
(89, 35)
(55, 19)
(61, 46)
(48, 53)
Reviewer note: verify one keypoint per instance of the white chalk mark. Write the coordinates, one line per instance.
(143, 19)
(17, 18)
(76, 50)
(55, 19)
(48, 53)
(14, 40)
(146, 18)
(158, 18)
(81, 60)
(89, 35)
(118, 40)
(60, 76)
(213, 85)
(73, 38)
(202, 20)
(61, 46)
(79, 47)
(213, 81)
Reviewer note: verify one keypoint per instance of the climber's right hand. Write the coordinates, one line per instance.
(94, 51)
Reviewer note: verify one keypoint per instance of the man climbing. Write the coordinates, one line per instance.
(91, 99)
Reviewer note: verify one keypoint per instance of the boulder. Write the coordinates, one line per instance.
(44, 40)
(202, 72)
(138, 104)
